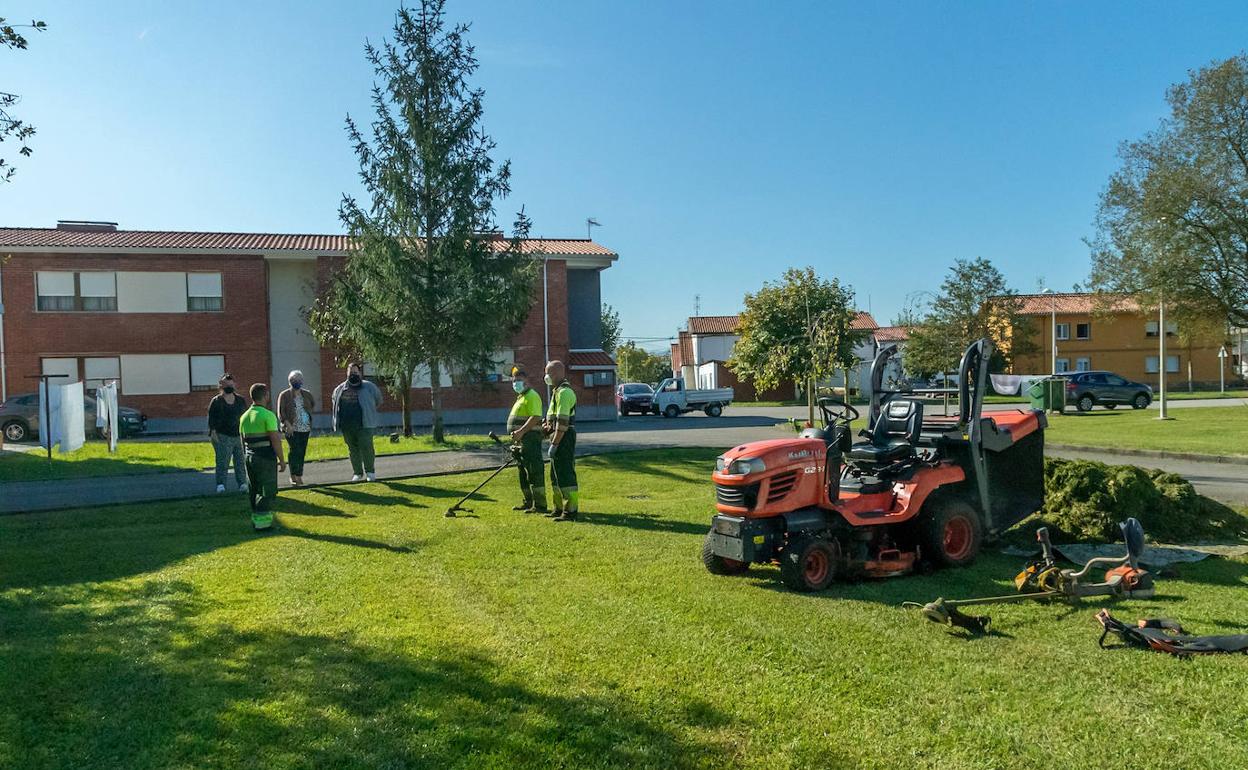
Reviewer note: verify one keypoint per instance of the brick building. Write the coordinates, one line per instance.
(165, 313)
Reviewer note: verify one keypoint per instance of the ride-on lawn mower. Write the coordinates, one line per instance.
(920, 490)
(1043, 580)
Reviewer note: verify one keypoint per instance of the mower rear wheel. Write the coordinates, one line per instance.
(952, 533)
(718, 565)
(808, 564)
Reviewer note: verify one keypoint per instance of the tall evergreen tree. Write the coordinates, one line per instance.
(429, 284)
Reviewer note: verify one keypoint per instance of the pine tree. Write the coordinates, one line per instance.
(428, 282)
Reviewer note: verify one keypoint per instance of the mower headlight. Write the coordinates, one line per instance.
(720, 463)
(746, 467)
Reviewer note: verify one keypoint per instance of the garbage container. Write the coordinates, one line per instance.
(1048, 394)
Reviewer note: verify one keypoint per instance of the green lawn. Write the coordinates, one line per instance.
(369, 631)
(1183, 395)
(1221, 430)
(164, 456)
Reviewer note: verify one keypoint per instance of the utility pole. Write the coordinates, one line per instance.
(1222, 369)
(1161, 358)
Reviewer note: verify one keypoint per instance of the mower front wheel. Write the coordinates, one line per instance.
(808, 564)
(718, 565)
(952, 533)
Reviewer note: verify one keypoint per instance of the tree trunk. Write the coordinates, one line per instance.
(435, 400)
(405, 402)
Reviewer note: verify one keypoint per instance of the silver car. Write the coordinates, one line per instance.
(19, 418)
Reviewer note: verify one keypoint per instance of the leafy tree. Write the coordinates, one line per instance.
(1173, 219)
(974, 302)
(797, 329)
(10, 126)
(428, 282)
(610, 328)
(638, 365)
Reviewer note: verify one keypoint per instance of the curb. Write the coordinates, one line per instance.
(1156, 453)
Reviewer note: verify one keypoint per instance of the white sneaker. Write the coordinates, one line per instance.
(357, 477)
(370, 476)
(220, 488)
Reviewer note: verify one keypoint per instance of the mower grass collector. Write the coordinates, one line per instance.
(919, 491)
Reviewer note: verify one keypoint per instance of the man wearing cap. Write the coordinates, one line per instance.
(524, 424)
(561, 427)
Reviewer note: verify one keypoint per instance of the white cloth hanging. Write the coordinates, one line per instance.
(106, 417)
(73, 432)
(1006, 384)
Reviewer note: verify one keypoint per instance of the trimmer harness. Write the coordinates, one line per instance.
(1165, 635)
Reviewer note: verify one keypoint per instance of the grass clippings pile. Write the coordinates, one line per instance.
(1085, 501)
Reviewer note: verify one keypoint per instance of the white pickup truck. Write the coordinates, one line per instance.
(671, 399)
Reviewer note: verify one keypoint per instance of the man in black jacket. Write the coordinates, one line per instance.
(224, 411)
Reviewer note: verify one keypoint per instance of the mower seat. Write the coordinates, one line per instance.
(894, 436)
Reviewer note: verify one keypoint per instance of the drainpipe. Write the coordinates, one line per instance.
(545, 319)
(4, 376)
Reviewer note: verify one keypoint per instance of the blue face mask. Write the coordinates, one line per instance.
(297, 384)
(518, 386)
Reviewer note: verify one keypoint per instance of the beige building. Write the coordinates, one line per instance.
(1124, 340)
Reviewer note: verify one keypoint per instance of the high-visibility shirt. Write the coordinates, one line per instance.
(528, 404)
(255, 426)
(562, 410)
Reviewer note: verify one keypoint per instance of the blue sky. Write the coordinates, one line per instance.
(717, 142)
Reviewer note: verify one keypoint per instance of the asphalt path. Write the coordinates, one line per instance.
(1223, 481)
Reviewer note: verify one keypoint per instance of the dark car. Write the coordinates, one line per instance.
(19, 418)
(633, 397)
(1088, 389)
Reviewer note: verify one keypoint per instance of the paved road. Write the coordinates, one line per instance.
(1223, 481)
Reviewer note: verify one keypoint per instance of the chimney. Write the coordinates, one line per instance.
(86, 226)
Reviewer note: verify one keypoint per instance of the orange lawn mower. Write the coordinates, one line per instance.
(920, 491)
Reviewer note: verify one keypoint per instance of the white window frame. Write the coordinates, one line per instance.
(1063, 331)
(215, 376)
(1083, 364)
(1172, 369)
(1151, 364)
(199, 296)
(1063, 366)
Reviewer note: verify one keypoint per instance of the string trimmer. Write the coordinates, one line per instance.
(511, 460)
(1043, 580)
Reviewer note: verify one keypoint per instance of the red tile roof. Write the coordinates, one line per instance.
(1074, 302)
(595, 358)
(727, 324)
(891, 334)
(56, 238)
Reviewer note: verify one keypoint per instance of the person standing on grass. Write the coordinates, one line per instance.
(294, 410)
(561, 427)
(356, 402)
(224, 411)
(259, 430)
(525, 424)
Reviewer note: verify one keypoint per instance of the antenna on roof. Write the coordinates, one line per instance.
(697, 305)
(590, 224)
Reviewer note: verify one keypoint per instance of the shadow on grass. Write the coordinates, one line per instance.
(135, 677)
(645, 521)
(357, 496)
(35, 466)
(321, 537)
(683, 465)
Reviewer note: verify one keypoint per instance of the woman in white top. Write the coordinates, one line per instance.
(294, 411)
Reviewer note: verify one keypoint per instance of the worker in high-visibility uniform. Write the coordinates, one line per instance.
(561, 427)
(525, 426)
(264, 458)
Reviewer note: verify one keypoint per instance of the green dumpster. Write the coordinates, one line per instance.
(1048, 394)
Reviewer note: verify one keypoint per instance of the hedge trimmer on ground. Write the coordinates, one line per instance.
(1043, 580)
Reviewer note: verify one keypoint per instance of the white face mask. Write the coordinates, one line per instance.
(548, 380)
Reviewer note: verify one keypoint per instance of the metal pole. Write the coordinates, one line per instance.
(1053, 331)
(1161, 358)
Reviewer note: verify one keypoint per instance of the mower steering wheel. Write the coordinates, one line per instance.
(835, 410)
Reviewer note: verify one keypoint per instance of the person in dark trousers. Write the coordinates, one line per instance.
(224, 411)
(356, 403)
(258, 427)
(561, 427)
(294, 412)
(525, 426)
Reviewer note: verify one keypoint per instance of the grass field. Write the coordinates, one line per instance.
(1219, 430)
(165, 456)
(369, 631)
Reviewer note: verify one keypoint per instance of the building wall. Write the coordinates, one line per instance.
(292, 289)
(1121, 344)
(239, 332)
(713, 347)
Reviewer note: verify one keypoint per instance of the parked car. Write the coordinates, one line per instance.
(1088, 389)
(20, 417)
(634, 397)
(672, 399)
(943, 380)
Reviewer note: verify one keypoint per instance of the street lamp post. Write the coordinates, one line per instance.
(1161, 358)
(1053, 330)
